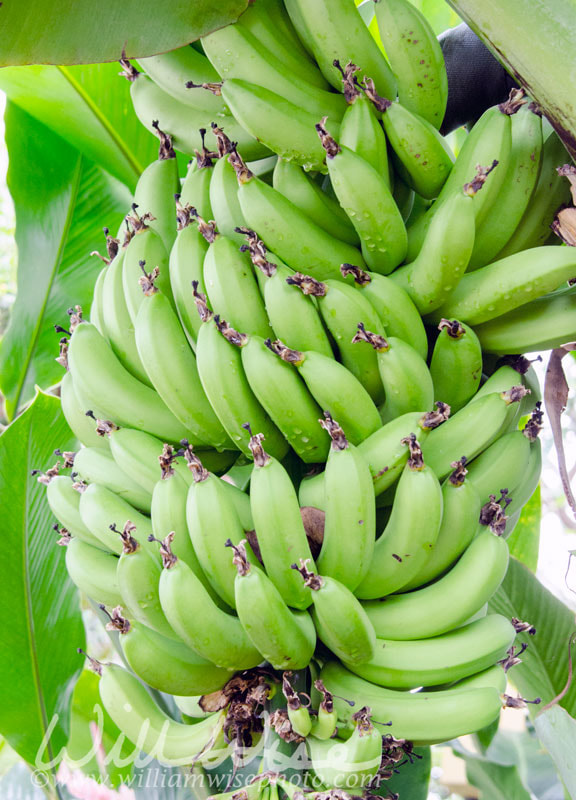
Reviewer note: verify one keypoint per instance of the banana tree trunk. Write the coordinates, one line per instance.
(536, 41)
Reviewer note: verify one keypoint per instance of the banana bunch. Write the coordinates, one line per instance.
(298, 469)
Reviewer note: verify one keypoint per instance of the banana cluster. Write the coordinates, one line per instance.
(298, 454)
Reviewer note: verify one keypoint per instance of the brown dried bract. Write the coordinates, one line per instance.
(169, 559)
(349, 82)
(201, 303)
(307, 284)
(516, 99)
(239, 559)
(453, 328)
(261, 457)
(379, 343)
(281, 724)
(311, 580)
(459, 472)
(564, 225)
(166, 150)
(361, 278)
(336, 433)
(474, 186)
(230, 333)
(62, 357)
(534, 425)
(117, 621)
(433, 419)
(243, 174)
(128, 71)
(380, 103)
(285, 353)
(415, 460)
(147, 281)
(328, 142)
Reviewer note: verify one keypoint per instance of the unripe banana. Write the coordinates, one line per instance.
(285, 638)
(293, 316)
(298, 715)
(404, 374)
(350, 521)
(279, 528)
(324, 726)
(139, 718)
(449, 601)
(531, 478)
(335, 389)
(96, 316)
(421, 717)
(470, 431)
(416, 58)
(104, 385)
(226, 386)
(208, 630)
(393, 305)
(449, 657)
(64, 502)
(143, 457)
(338, 616)
(165, 664)
(93, 571)
(100, 508)
(75, 415)
(291, 181)
(288, 232)
(411, 532)
(364, 194)
(196, 187)
(95, 465)
(144, 253)
(224, 191)
(456, 365)
(342, 308)
(460, 514)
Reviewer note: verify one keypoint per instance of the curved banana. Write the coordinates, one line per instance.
(95, 465)
(196, 186)
(365, 196)
(139, 718)
(208, 630)
(456, 364)
(335, 389)
(404, 374)
(96, 304)
(448, 602)
(416, 58)
(285, 638)
(93, 571)
(104, 385)
(350, 508)
(173, 70)
(279, 528)
(421, 717)
(101, 508)
(143, 457)
(411, 532)
(75, 415)
(224, 191)
(338, 616)
(324, 726)
(144, 253)
(64, 502)
(531, 478)
(393, 305)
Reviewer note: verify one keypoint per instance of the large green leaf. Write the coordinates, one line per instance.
(544, 668)
(496, 781)
(90, 108)
(40, 615)
(557, 732)
(535, 40)
(411, 778)
(61, 201)
(84, 32)
(524, 541)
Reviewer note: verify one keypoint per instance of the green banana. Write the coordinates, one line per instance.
(324, 726)
(139, 718)
(431, 278)
(208, 630)
(285, 638)
(351, 764)
(75, 415)
(448, 602)
(143, 457)
(335, 389)
(138, 575)
(516, 192)
(100, 508)
(404, 197)
(273, 381)
(341, 308)
(350, 521)
(226, 386)
(145, 249)
(293, 316)
(550, 193)
(404, 374)
(196, 186)
(416, 58)
(335, 30)
(288, 232)
(224, 190)
(299, 716)
(182, 122)
(470, 431)
(460, 514)
(449, 657)
(96, 317)
(231, 287)
(393, 305)
(365, 196)
(338, 616)
(291, 181)
(164, 664)
(236, 53)
(508, 283)
(531, 478)
(172, 368)
(64, 502)
(93, 571)
(542, 324)
(104, 385)
(411, 532)
(213, 521)
(95, 465)
(421, 717)
(456, 364)
(279, 528)
(422, 156)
